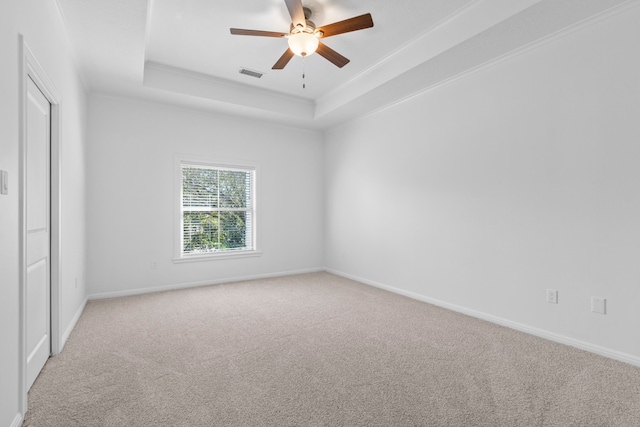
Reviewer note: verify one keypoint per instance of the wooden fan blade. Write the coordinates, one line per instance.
(331, 55)
(297, 13)
(242, 32)
(284, 60)
(353, 24)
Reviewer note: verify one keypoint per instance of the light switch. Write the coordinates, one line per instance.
(4, 182)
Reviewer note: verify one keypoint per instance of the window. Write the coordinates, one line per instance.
(217, 210)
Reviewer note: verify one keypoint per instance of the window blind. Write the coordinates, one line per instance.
(217, 209)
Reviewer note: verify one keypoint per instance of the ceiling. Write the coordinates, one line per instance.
(182, 53)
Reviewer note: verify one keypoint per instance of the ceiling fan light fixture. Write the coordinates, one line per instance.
(303, 43)
(304, 37)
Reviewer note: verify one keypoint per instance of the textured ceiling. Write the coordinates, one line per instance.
(181, 52)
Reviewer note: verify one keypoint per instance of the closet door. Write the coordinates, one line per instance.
(38, 224)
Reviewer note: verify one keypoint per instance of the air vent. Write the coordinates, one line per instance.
(256, 74)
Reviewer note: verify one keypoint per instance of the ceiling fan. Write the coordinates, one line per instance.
(304, 37)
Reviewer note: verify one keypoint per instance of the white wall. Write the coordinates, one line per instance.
(481, 193)
(131, 194)
(484, 192)
(41, 25)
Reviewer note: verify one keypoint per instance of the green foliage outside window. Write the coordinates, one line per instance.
(216, 205)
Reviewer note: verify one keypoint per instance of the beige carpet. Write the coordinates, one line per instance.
(317, 350)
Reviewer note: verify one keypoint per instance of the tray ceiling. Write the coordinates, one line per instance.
(181, 52)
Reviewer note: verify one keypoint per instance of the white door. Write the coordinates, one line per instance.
(37, 153)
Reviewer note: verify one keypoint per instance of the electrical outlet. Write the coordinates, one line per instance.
(599, 305)
(552, 296)
(154, 265)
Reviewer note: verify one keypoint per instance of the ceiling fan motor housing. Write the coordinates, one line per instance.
(309, 28)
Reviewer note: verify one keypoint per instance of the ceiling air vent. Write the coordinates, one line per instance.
(256, 74)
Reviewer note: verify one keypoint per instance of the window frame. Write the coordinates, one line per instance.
(178, 255)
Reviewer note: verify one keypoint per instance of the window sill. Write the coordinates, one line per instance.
(216, 256)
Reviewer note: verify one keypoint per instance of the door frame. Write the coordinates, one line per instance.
(31, 69)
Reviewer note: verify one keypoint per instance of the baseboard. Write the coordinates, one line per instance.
(17, 421)
(176, 286)
(72, 325)
(562, 339)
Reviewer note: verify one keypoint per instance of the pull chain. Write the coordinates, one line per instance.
(303, 74)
